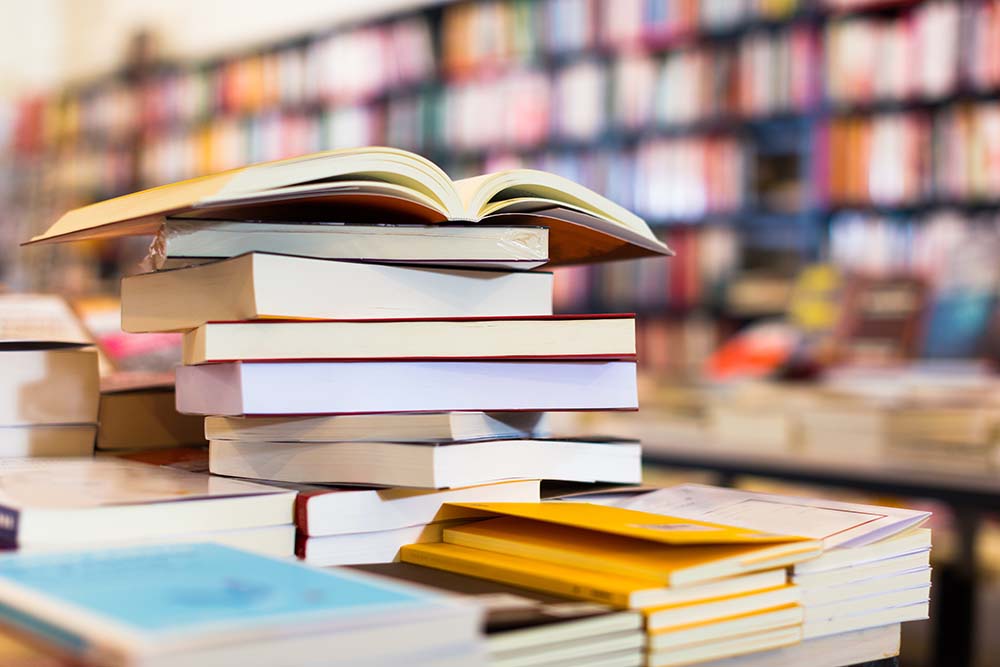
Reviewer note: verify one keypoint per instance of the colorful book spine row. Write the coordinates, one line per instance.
(908, 159)
(707, 257)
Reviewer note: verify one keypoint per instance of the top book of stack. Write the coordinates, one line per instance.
(378, 185)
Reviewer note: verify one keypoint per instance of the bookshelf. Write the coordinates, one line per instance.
(755, 135)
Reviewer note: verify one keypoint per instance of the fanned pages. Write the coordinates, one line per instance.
(377, 185)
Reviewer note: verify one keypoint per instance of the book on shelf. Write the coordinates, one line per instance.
(207, 604)
(390, 427)
(326, 387)
(52, 502)
(378, 182)
(553, 337)
(49, 386)
(428, 464)
(138, 412)
(183, 242)
(259, 285)
(321, 511)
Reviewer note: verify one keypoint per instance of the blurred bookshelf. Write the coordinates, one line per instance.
(757, 136)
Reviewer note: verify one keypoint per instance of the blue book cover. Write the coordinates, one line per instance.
(185, 593)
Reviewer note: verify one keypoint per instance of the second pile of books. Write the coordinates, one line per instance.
(336, 370)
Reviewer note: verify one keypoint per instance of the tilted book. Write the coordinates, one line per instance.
(377, 184)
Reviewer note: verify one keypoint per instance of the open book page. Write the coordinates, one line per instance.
(406, 171)
(838, 524)
(493, 193)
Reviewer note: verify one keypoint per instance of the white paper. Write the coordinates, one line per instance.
(838, 524)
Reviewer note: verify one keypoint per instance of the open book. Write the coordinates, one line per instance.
(378, 185)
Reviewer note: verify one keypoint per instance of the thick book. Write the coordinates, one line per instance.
(47, 440)
(205, 604)
(672, 564)
(323, 511)
(187, 242)
(419, 427)
(619, 591)
(378, 184)
(554, 337)
(48, 386)
(429, 465)
(328, 387)
(70, 501)
(259, 285)
(143, 415)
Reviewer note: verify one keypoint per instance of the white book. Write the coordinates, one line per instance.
(835, 611)
(417, 427)
(429, 465)
(324, 511)
(555, 337)
(838, 524)
(837, 650)
(909, 542)
(372, 547)
(81, 501)
(865, 571)
(277, 541)
(185, 242)
(871, 619)
(259, 285)
(300, 388)
(573, 651)
(822, 595)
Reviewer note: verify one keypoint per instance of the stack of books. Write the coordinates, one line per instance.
(874, 572)
(417, 356)
(705, 591)
(49, 386)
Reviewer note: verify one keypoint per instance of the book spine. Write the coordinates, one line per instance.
(531, 580)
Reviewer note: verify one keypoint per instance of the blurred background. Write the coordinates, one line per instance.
(828, 172)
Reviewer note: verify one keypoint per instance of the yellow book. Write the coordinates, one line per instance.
(701, 611)
(631, 523)
(359, 184)
(618, 591)
(669, 564)
(738, 625)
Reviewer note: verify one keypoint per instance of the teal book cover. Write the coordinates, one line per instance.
(169, 592)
